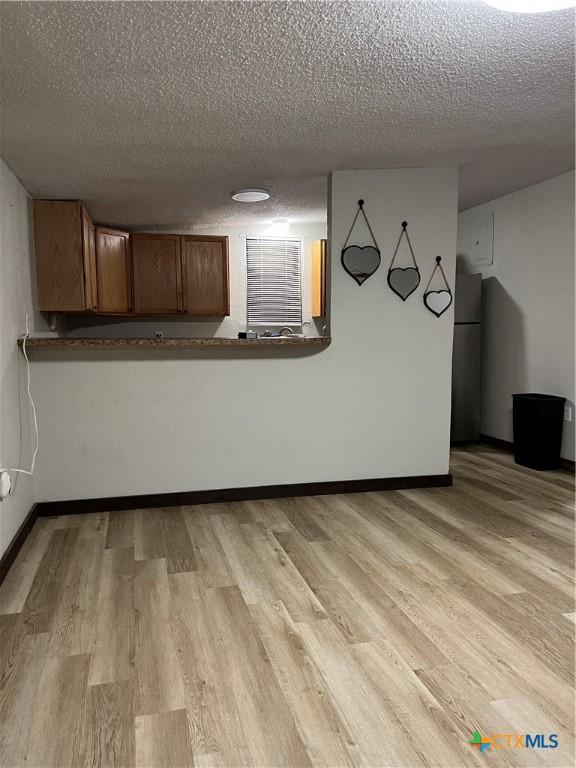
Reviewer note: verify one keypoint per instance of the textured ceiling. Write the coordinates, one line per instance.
(153, 112)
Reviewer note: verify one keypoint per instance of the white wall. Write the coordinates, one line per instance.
(16, 256)
(374, 404)
(236, 321)
(528, 300)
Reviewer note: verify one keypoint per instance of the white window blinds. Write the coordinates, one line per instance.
(274, 284)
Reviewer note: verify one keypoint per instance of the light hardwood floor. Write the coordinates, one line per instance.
(376, 629)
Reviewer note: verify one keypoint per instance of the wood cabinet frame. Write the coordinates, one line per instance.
(223, 240)
(138, 308)
(79, 273)
(89, 247)
(64, 244)
(100, 307)
(318, 298)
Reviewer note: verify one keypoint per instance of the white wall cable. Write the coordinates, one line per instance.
(33, 408)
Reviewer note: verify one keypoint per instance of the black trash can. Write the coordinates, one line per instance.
(538, 422)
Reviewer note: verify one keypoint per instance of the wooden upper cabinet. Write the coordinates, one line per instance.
(89, 248)
(205, 275)
(82, 268)
(157, 274)
(319, 278)
(64, 256)
(113, 271)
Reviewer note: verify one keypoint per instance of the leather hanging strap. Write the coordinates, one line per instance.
(405, 234)
(438, 266)
(358, 212)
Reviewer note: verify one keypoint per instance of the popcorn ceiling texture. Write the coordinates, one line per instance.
(153, 112)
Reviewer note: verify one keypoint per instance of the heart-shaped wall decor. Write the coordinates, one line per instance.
(438, 301)
(360, 262)
(403, 281)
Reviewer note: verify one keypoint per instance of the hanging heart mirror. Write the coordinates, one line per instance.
(360, 261)
(404, 280)
(438, 301)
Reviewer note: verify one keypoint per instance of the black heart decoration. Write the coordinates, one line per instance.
(404, 281)
(438, 301)
(360, 262)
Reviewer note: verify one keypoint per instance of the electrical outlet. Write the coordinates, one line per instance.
(567, 413)
(5, 484)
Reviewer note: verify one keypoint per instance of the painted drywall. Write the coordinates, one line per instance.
(16, 292)
(375, 403)
(236, 321)
(528, 300)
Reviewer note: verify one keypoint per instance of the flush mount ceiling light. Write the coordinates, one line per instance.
(250, 195)
(530, 6)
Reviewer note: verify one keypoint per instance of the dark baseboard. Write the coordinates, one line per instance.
(506, 445)
(16, 544)
(497, 442)
(186, 498)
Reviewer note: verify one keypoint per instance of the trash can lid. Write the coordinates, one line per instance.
(537, 396)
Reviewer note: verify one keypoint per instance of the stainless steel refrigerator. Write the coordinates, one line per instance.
(466, 359)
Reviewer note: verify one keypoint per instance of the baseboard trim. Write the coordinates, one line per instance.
(497, 442)
(16, 544)
(506, 445)
(253, 493)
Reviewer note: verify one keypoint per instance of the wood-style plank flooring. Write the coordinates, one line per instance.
(377, 629)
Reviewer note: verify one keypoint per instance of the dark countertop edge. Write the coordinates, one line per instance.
(62, 343)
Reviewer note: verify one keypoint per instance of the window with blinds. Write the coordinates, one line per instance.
(274, 281)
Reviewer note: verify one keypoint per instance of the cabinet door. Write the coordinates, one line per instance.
(113, 271)
(60, 265)
(205, 275)
(157, 274)
(319, 278)
(89, 248)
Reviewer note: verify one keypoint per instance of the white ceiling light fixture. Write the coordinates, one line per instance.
(251, 195)
(531, 6)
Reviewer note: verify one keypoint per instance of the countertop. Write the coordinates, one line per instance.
(71, 343)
